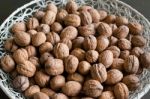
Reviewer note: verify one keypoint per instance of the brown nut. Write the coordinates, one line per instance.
(68, 42)
(20, 55)
(18, 27)
(110, 19)
(44, 57)
(79, 53)
(72, 88)
(91, 56)
(32, 32)
(107, 95)
(26, 68)
(38, 39)
(92, 88)
(59, 96)
(113, 77)
(132, 82)
(54, 67)
(35, 61)
(43, 28)
(104, 29)
(86, 18)
(40, 95)
(72, 20)
(95, 15)
(7, 63)
(138, 41)
(71, 7)
(86, 30)
(71, 64)
(49, 17)
(61, 50)
(41, 78)
(10, 45)
(131, 64)
(32, 23)
(121, 91)
(53, 38)
(84, 8)
(21, 83)
(145, 60)
(113, 27)
(124, 54)
(32, 90)
(61, 15)
(57, 82)
(75, 77)
(124, 44)
(31, 50)
(120, 20)
(113, 40)
(98, 72)
(84, 67)
(135, 28)
(78, 42)
(90, 42)
(102, 43)
(45, 47)
(115, 50)
(56, 27)
(22, 38)
(137, 51)
(117, 64)
(106, 58)
(86, 98)
(39, 14)
(52, 7)
(103, 14)
(48, 91)
(121, 32)
(14, 74)
(69, 32)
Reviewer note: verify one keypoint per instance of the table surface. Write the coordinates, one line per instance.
(7, 7)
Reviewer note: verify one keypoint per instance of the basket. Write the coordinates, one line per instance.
(112, 6)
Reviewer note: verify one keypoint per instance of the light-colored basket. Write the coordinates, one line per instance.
(112, 6)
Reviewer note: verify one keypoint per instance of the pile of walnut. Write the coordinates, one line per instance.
(75, 53)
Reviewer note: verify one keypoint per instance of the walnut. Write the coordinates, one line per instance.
(7, 63)
(132, 82)
(61, 15)
(19, 27)
(32, 32)
(107, 95)
(57, 82)
(86, 30)
(84, 67)
(53, 38)
(145, 59)
(131, 64)
(38, 39)
(72, 88)
(71, 63)
(121, 32)
(103, 14)
(120, 20)
(115, 50)
(40, 95)
(91, 56)
(106, 58)
(135, 28)
(56, 27)
(22, 38)
(75, 77)
(110, 19)
(84, 8)
(48, 91)
(41, 78)
(79, 53)
(69, 32)
(44, 57)
(95, 15)
(117, 64)
(43, 28)
(68, 42)
(124, 44)
(35, 61)
(32, 23)
(49, 17)
(124, 54)
(87, 98)
(92, 88)
(21, 83)
(61, 50)
(45, 47)
(59, 96)
(137, 51)
(10, 45)
(121, 91)
(102, 43)
(26, 68)
(52, 7)
(78, 42)
(14, 74)
(54, 67)
(20, 55)
(32, 90)
(104, 29)
(31, 50)
(98, 72)
(138, 41)
(113, 40)
(71, 7)
(86, 18)
(39, 14)
(113, 27)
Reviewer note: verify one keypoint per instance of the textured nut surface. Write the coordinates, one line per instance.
(113, 27)
(107, 95)
(71, 7)
(45, 47)
(91, 56)
(32, 90)
(86, 18)
(53, 38)
(40, 95)
(137, 51)
(135, 28)
(18, 27)
(52, 7)
(145, 59)
(75, 77)
(32, 32)
(79, 53)
(10, 45)
(113, 40)
(78, 42)
(49, 17)
(39, 14)
(138, 41)
(95, 15)
(84, 67)
(120, 20)
(117, 64)
(115, 50)
(102, 43)
(38, 39)
(110, 19)
(103, 14)
(43, 28)
(59, 96)
(124, 44)
(31, 50)
(86, 30)
(56, 27)
(68, 42)
(35, 61)
(48, 91)
(124, 54)
(44, 57)
(32, 23)
(61, 15)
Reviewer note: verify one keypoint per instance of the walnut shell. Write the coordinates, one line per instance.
(115, 50)
(10, 45)
(86, 18)
(102, 43)
(75, 77)
(39, 14)
(53, 38)
(137, 51)
(59, 96)
(32, 32)
(40, 95)
(35, 61)
(103, 14)
(72, 88)
(79, 53)
(68, 42)
(106, 58)
(32, 90)
(56, 27)
(124, 44)
(113, 27)
(61, 15)
(48, 91)
(78, 42)
(71, 7)
(84, 8)
(124, 54)
(49, 17)
(113, 40)
(107, 95)
(86, 30)
(91, 56)
(44, 57)
(95, 15)
(138, 41)
(26, 68)
(31, 50)
(52, 7)
(145, 59)
(32, 23)
(71, 64)
(92, 88)
(84, 67)
(131, 64)
(43, 28)
(117, 64)
(110, 19)
(98, 72)
(38, 39)
(45, 47)
(86, 98)
(18, 27)
(135, 28)
(120, 20)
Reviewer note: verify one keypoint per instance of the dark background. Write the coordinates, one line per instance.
(8, 6)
